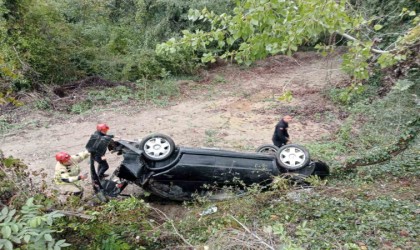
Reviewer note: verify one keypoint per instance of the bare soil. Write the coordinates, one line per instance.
(230, 108)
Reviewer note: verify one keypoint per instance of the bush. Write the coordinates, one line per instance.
(28, 228)
(119, 223)
(14, 180)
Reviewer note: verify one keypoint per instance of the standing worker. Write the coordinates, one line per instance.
(67, 173)
(281, 136)
(101, 130)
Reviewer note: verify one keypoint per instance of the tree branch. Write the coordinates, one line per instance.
(173, 226)
(355, 39)
(392, 151)
(71, 213)
(254, 235)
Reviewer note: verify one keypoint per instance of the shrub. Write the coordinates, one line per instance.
(29, 228)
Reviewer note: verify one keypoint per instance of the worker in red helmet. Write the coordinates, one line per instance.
(67, 173)
(101, 130)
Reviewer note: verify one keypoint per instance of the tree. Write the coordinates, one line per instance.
(259, 28)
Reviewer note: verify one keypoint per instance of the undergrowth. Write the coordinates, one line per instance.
(157, 92)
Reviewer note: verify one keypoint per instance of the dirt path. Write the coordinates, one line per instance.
(231, 109)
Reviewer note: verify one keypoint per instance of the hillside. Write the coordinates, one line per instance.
(227, 108)
(216, 75)
(373, 207)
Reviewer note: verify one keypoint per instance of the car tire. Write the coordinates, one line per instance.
(268, 149)
(157, 147)
(293, 157)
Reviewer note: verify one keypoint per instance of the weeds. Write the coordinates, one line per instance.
(218, 79)
(158, 92)
(43, 104)
(81, 107)
(315, 181)
(5, 125)
(211, 137)
(280, 183)
(14, 179)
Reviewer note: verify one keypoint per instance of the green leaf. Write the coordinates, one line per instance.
(30, 202)
(287, 96)
(58, 243)
(15, 239)
(49, 221)
(27, 238)
(38, 220)
(377, 27)
(48, 237)
(412, 13)
(4, 213)
(14, 227)
(57, 215)
(32, 223)
(6, 231)
(8, 245)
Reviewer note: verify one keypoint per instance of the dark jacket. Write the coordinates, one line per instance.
(281, 136)
(102, 164)
(98, 156)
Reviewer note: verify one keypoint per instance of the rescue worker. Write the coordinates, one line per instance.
(281, 135)
(101, 130)
(67, 173)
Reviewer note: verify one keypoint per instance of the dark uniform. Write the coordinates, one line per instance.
(281, 136)
(102, 164)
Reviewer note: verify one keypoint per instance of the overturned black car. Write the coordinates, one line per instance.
(179, 173)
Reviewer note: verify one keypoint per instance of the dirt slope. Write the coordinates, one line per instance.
(230, 108)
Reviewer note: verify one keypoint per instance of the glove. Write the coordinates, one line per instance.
(83, 177)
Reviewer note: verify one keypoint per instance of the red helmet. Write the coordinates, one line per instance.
(62, 157)
(102, 127)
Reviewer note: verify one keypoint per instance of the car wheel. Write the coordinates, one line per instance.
(157, 147)
(293, 157)
(268, 149)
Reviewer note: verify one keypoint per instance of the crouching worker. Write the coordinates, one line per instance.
(67, 173)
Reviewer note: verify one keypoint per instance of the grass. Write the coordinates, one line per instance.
(211, 138)
(157, 92)
(4, 125)
(7, 124)
(218, 79)
(339, 215)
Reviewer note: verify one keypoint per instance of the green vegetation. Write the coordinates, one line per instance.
(119, 224)
(13, 175)
(155, 91)
(371, 200)
(257, 29)
(60, 41)
(29, 228)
